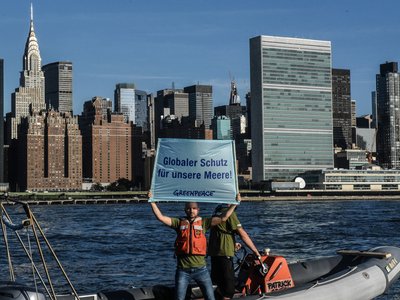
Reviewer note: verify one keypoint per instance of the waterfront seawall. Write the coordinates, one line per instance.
(139, 197)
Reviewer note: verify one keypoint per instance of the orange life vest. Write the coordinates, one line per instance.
(191, 238)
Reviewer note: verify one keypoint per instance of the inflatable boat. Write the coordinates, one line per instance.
(349, 275)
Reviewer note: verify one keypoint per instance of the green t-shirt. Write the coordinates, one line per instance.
(222, 237)
(190, 260)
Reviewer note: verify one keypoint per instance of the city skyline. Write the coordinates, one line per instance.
(156, 45)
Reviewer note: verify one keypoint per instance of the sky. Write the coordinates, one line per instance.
(158, 44)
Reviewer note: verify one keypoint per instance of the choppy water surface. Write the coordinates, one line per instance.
(116, 246)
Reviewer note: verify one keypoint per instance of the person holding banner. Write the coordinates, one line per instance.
(191, 247)
(221, 248)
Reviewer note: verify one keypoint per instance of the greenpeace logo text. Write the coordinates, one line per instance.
(180, 193)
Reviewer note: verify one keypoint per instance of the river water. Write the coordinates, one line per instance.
(116, 246)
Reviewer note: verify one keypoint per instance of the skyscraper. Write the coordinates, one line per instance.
(341, 108)
(124, 101)
(177, 102)
(152, 125)
(388, 106)
(58, 86)
(374, 109)
(200, 104)
(248, 111)
(291, 106)
(353, 113)
(141, 118)
(1, 120)
(169, 102)
(29, 96)
(353, 121)
(221, 127)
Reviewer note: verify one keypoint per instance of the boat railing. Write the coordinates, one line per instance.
(30, 224)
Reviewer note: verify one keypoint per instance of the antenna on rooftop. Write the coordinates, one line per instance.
(234, 98)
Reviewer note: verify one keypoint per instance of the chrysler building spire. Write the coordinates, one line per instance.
(32, 60)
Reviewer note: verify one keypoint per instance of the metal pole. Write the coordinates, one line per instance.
(10, 266)
(55, 256)
(42, 258)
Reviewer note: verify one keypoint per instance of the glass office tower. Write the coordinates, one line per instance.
(221, 127)
(341, 108)
(141, 109)
(58, 86)
(291, 106)
(388, 117)
(1, 123)
(124, 101)
(200, 104)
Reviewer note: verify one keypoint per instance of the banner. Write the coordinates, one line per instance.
(195, 171)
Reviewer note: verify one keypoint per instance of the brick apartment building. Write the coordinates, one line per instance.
(107, 144)
(50, 153)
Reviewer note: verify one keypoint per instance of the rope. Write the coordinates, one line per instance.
(333, 279)
(337, 278)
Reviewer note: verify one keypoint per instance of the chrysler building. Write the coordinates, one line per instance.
(29, 96)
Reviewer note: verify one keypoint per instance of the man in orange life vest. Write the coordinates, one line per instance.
(191, 247)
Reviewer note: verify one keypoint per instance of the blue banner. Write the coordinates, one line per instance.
(195, 171)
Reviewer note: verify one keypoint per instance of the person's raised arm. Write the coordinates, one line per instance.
(225, 216)
(157, 212)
